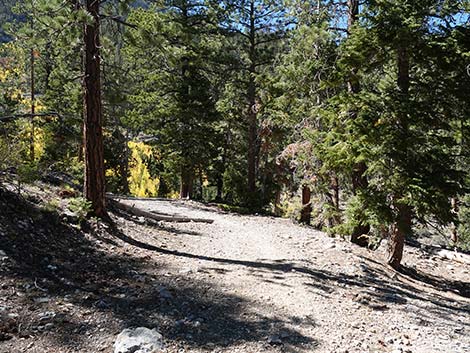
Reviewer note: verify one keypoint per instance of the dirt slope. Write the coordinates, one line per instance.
(241, 284)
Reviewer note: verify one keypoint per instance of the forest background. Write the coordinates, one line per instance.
(350, 116)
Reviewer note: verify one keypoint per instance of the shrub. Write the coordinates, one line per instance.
(80, 207)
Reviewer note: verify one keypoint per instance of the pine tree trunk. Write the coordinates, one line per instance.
(162, 188)
(306, 212)
(252, 137)
(359, 180)
(454, 235)
(201, 185)
(186, 189)
(94, 187)
(402, 225)
(252, 110)
(277, 203)
(124, 167)
(33, 101)
(400, 230)
(334, 186)
(220, 187)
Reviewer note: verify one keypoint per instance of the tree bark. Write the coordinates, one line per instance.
(220, 187)
(454, 235)
(359, 180)
(186, 188)
(124, 166)
(94, 186)
(252, 109)
(334, 186)
(33, 100)
(306, 213)
(401, 228)
(162, 187)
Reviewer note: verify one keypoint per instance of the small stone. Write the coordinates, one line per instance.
(47, 315)
(139, 340)
(42, 300)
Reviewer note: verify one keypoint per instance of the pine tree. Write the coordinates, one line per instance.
(178, 97)
(94, 187)
(257, 27)
(406, 136)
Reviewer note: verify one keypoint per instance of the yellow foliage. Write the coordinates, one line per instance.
(141, 183)
(39, 139)
(39, 142)
(174, 195)
(4, 75)
(110, 173)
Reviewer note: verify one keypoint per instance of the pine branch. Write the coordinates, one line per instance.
(28, 115)
(119, 20)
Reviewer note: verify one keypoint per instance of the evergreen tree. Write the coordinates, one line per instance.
(176, 102)
(402, 131)
(257, 27)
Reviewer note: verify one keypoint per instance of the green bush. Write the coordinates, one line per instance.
(463, 229)
(80, 207)
(51, 206)
(28, 172)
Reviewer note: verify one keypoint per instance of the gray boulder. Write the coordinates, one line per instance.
(139, 340)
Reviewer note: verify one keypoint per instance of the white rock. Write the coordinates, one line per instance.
(139, 340)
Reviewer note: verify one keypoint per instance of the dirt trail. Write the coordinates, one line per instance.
(326, 293)
(242, 284)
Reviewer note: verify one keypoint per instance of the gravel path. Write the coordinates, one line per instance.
(242, 284)
(307, 292)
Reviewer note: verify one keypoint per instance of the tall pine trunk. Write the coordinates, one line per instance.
(401, 228)
(94, 187)
(186, 188)
(399, 231)
(306, 212)
(220, 186)
(359, 179)
(252, 110)
(124, 165)
(334, 187)
(33, 102)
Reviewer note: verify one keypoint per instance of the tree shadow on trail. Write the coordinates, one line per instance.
(95, 287)
(374, 280)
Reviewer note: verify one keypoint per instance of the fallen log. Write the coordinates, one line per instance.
(453, 256)
(153, 216)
